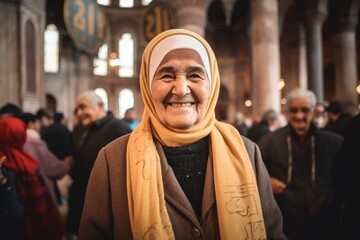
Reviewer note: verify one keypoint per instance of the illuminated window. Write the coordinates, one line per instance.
(100, 62)
(103, 2)
(146, 2)
(104, 96)
(126, 101)
(51, 49)
(126, 3)
(126, 55)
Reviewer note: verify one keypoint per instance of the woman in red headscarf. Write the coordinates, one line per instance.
(42, 218)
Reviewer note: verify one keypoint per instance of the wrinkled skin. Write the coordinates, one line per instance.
(180, 89)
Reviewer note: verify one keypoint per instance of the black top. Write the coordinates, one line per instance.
(59, 140)
(189, 166)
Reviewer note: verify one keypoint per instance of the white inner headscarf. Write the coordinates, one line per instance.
(176, 42)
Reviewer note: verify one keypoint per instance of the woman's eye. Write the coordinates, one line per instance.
(166, 76)
(194, 75)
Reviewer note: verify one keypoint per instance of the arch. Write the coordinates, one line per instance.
(100, 62)
(103, 2)
(146, 2)
(51, 49)
(126, 100)
(104, 96)
(126, 3)
(126, 55)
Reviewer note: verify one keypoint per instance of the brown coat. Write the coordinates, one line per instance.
(106, 214)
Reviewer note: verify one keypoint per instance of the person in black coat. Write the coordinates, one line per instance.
(96, 129)
(346, 175)
(58, 137)
(269, 122)
(300, 161)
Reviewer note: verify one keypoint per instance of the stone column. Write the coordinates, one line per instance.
(265, 55)
(192, 15)
(10, 81)
(315, 12)
(345, 58)
(293, 59)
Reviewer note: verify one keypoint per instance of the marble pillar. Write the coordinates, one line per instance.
(193, 18)
(192, 15)
(10, 81)
(265, 56)
(315, 12)
(293, 59)
(345, 62)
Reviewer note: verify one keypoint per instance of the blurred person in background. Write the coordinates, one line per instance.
(337, 117)
(42, 218)
(131, 118)
(46, 119)
(50, 166)
(59, 140)
(10, 110)
(300, 159)
(320, 117)
(269, 122)
(239, 123)
(346, 176)
(96, 128)
(58, 137)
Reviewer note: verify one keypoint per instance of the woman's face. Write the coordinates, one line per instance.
(180, 89)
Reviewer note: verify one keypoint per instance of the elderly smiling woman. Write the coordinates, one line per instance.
(181, 174)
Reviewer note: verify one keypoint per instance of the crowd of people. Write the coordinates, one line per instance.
(37, 150)
(179, 172)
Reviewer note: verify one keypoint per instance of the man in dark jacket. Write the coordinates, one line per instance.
(96, 129)
(300, 158)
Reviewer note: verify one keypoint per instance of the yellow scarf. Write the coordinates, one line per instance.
(237, 198)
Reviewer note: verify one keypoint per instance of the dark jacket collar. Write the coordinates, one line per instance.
(102, 121)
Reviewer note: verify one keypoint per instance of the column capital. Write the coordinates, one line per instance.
(192, 16)
(346, 23)
(314, 11)
(346, 15)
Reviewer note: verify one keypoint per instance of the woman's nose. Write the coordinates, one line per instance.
(181, 86)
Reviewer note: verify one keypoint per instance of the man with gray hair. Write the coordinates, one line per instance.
(96, 128)
(299, 158)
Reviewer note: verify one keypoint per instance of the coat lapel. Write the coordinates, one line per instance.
(174, 194)
(209, 189)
